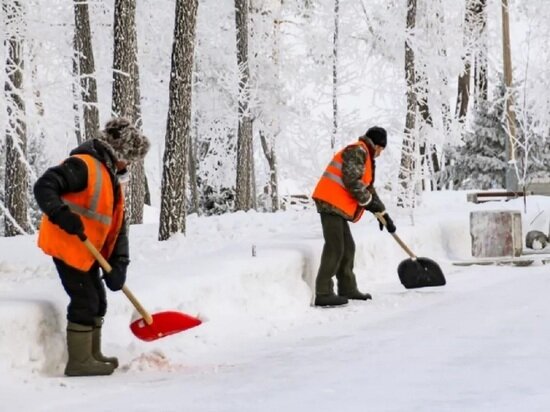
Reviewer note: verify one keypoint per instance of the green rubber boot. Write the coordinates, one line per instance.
(331, 300)
(355, 294)
(96, 344)
(81, 362)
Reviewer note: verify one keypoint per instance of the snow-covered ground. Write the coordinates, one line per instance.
(480, 343)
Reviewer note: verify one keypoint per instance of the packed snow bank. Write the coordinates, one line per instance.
(30, 336)
(247, 275)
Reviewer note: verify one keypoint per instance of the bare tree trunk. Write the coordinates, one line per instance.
(463, 96)
(245, 184)
(511, 172)
(138, 179)
(194, 162)
(406, 171)
(428, 152)
(77, 98)
(268, 135)
(423, 107)
(442, 163)
(464, 79)
(335, 75)
(16, 183)
(123, 59)
(85, 55)
(172, 212)
(127, 96)
(481, 62)
(193, 188)
(269, 152)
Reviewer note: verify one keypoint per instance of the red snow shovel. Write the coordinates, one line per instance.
(416, 272)
(149, 327)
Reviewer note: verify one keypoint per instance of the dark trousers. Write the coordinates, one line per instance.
(86, 292)
(337, 258)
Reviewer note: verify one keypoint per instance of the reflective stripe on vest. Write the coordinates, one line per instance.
(92, 211)
(332, 176)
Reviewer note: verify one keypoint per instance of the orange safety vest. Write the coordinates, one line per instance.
(102, 219)
(331, 188)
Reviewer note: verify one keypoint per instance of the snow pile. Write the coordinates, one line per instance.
(213, 272)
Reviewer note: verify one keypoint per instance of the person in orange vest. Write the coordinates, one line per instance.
(342, 194)
(82, 198)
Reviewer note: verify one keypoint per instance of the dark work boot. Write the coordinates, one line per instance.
(81, 362)
(330, 300)
(355, 295)
(96, 344)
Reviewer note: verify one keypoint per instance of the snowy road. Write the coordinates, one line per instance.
(479, 344)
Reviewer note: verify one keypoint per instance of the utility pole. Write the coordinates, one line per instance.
(511, 175)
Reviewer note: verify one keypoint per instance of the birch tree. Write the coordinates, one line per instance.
(245, 185)
(15, 212)
(172, 211)
(86, 70)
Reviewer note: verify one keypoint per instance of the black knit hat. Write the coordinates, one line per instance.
(124, 140)
(378, 136)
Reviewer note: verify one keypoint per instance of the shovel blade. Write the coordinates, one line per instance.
(164, 324)
(420, 272)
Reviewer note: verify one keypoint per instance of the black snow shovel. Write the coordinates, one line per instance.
(416, 272)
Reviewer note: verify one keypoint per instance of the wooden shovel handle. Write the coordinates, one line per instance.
(380, 217)
(107, 268)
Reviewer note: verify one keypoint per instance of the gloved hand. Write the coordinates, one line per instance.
(375, 205)
(390, 226)
(116, 278)
(68, 221)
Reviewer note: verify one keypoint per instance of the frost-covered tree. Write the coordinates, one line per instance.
(245, 183)
(86, 68)
(178, 129)
(266, 29)
(16, 177)
(480, 163)
(474, 55)
(123, 103)
(37, 133)
(291, 60)
(533, 152)
(481, 54)
(409, 147)
(335, 74)
(127, 96)
(37, 163)
(214, 108)
(75, 87)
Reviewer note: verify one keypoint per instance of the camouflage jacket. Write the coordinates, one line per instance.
(353, 166)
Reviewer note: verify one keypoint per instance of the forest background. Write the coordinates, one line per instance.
(246, 101)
